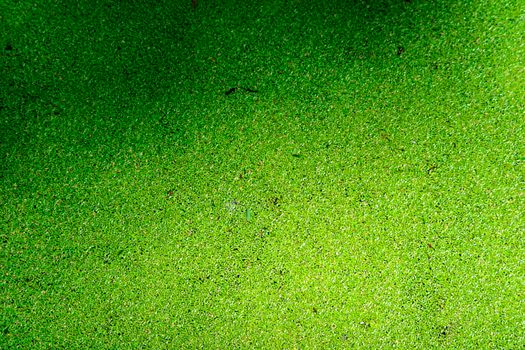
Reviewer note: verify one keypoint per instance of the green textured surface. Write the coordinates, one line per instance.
(371, 194)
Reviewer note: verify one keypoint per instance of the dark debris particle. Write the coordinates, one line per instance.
(431, 169)
(233, 89)
(230, 91)
(400, 50)
(444, 331)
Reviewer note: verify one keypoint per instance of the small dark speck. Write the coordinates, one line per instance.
(296, 155)
(9, 47)
(230, 91)
(431, 169)
(444, 332)
(400, 50)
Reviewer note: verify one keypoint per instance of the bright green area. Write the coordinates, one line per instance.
(370, 195)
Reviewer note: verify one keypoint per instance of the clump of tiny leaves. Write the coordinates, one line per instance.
(361, 186)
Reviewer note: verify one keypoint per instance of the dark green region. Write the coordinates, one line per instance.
(229, 174)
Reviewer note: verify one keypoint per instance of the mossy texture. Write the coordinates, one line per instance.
(361, 186)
